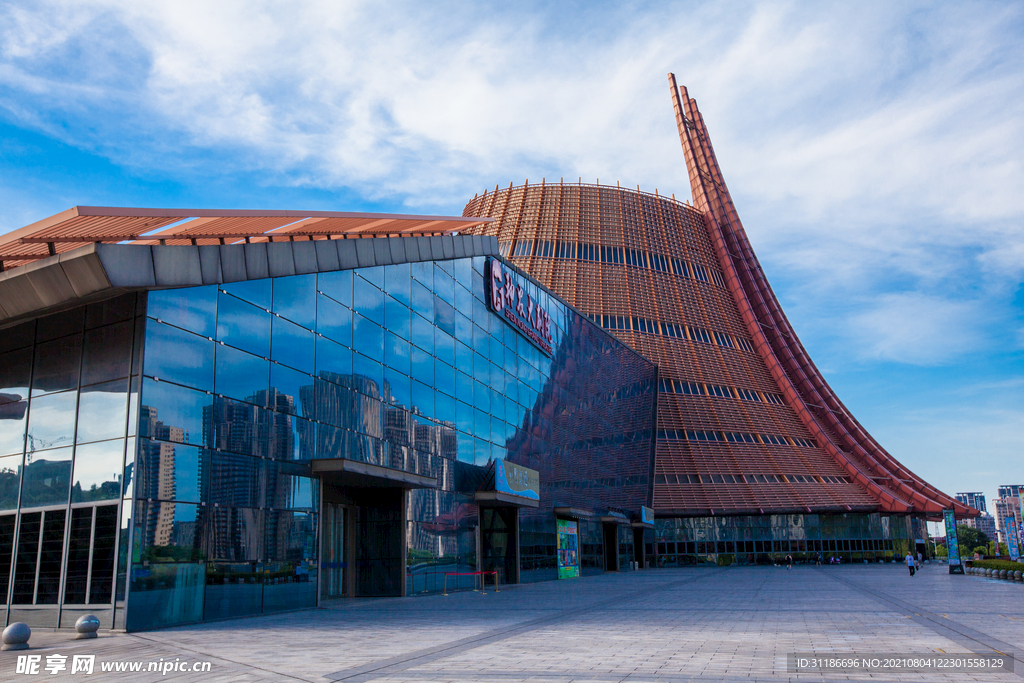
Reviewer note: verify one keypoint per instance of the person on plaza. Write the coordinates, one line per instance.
(817, 560)
(789, 562)
(910, 563)
(920, 559)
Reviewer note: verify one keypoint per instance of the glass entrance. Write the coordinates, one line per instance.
(333, 559)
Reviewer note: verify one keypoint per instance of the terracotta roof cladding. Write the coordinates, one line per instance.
(82, 224)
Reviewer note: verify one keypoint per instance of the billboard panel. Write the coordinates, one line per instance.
(568, 549)
(952, 547)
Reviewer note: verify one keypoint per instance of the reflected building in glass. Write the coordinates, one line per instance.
(216, 426)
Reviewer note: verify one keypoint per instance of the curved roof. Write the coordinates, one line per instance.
(103, 224)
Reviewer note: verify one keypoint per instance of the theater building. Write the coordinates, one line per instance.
(756, 456)
(210, 414)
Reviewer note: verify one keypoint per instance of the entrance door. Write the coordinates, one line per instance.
(499, 542)
(333, 559)
(611, 547)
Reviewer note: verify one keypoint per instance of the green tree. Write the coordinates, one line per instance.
(969, 538)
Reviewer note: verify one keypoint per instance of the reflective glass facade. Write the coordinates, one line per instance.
(223, 398)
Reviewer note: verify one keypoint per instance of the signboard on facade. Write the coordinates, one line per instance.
(568, 549)
(952, 547)
(1010, 524)
(516, 480)
(507, 296)
(646, 515)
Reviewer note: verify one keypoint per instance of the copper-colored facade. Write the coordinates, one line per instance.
(746, 422)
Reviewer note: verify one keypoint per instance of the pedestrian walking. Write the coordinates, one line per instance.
(910, 563)
(789, 562)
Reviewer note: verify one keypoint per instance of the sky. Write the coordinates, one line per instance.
(873, 150)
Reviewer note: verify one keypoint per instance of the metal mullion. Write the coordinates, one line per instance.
(39, 553)
(92, 546)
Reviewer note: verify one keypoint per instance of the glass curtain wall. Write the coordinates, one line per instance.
(68, 409)
(767, 539)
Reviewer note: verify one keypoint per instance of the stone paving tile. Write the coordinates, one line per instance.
(660, 626)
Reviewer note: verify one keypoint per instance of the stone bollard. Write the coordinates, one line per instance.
(1017, 575)
(1002, 573)
(16, 636)
(87, 626)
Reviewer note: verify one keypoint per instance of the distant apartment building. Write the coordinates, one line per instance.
(976, 500)
(1010, 490)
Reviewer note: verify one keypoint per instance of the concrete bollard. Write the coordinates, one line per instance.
(87, 626)
(16, 636)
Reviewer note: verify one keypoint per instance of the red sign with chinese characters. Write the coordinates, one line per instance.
(509, 298)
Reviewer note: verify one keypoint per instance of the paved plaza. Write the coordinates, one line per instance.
(669, 625)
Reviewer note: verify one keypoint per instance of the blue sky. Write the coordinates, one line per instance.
(873, 151)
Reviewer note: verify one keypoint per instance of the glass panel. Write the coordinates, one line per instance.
(368, 338)
(337, 285)
(10, 480)
(178, 356)
(444, 346)
(239, 427)
(374, 275)
(334, 320)
(241, 375)
(27, 557)
(170, 471)
(397, 281)
(172, 413)
(423, 272)
(444, 284)
(12, 427)
(57, 365)
(423, 334)
(51, 421)
(464, 358)
(102, 411)
(15, 372)
(422, 366)
(256, 292)
(108, 352)
(463, 300)
(333, 361)
(51, 552)
(398, 387)
(444, 408)
(295, 299)
(60, 324)
(194, 309)
(367, 300)
(291, 438)
(97, 473)
(110, 311)
(397, 317)
(292, 345)
(289, 486)
(79, 536)
(243, 326)
(233, 589)
(6, 551)
(18, 337)
(422, 300)
(397, 353)
(291, 575)
(237, 481)
(370, 372)
(444, 378)
(423, 398)
(168, 588)
(102, 582)
(287, 387)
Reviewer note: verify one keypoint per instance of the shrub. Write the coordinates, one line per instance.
(999, 564)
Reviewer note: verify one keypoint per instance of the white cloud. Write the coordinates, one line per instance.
(917, 329)
(871, 148)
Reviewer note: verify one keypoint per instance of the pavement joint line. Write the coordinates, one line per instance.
(931, 620)
(220, 660)
(368, 672)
